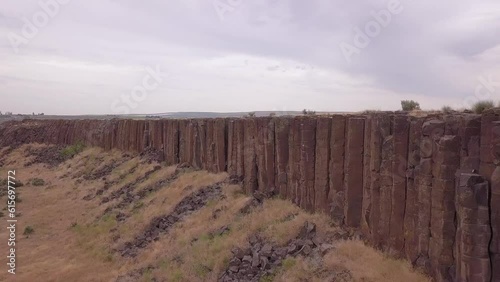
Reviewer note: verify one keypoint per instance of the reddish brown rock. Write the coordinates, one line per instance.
(398, 194)
(380, 130)
(265, 154)
(281, 129)
(250, 181)
(336, 195)
(473, 232)
(294, 149)
(470, 134)
(322, 160)
(445, 165)
(307, 162)
(171, 137)
(353, 180)
(220, 146)
(367, 181)
(411, 209)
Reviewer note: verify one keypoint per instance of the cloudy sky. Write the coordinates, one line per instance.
(152, 56)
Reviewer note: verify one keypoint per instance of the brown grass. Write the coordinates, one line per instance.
(74, 242)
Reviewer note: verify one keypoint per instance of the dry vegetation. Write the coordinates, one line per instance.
(76, 240)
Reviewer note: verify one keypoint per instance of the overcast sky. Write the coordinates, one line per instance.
(104, 56)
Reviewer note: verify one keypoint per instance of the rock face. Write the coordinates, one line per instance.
(473, 233)
(414, 186)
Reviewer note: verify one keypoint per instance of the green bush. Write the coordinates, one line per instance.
(409, 105)
(447, 109)
(73, 150)
(480, 106)
(28, 230)
(37, 182)
(308, 112)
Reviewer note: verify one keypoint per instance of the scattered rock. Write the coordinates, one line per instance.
(162, 224)
(262, 258)
(151, 155)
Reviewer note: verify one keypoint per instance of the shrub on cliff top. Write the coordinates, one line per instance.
(480, 106)
(447, 109)
(72, 150)
(409, 105)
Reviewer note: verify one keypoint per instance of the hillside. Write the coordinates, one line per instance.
(94, 215)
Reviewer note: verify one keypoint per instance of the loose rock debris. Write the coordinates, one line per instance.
(262, 259)
(50, 155)
(162, 224)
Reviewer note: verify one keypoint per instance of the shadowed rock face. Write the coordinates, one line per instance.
(398, 178)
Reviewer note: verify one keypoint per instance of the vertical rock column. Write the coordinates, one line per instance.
(198, 136)
(210, 146)
(473, 232)
(490, 169)
(281, 133)
(432, 130)
(294, 148)
(321, 181)
(353, 180)
(367, 195)
(446, 161)
(307, 162)
(220, 145)
(380, 130)
(265, 153)
(231, 148)
(411, 210)
(398, 195)
(470, 133)
(235, 148)
(336, 195)
(250, 162)
(171, 140)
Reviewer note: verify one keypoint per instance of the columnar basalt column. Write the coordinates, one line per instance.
(446, 161)
(210, 146)
(250, 183)
(401, 129)
(281, 131)
(353, 179)
(336, 195)
(220, 141)
(470, 133)
(171, 137)
(321, 180)
(294, 147)
(367, 193)
(307, 161)
(380, 131)
(411, 209)
(432, 131)
(473, 233)
(265, 153)
(490, 169)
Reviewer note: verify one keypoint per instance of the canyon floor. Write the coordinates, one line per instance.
(85, 214)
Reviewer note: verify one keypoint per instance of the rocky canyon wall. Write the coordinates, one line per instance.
(426, 189)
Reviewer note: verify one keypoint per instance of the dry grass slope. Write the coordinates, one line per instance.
(77, 240)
